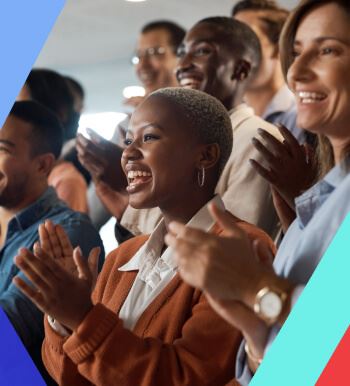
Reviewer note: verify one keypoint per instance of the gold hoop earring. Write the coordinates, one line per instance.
(201, 177)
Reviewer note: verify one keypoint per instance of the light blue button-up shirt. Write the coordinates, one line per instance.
(320, 212)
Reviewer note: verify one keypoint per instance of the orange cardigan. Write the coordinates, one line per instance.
(178, 340)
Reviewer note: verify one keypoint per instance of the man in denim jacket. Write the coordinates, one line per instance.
(30, 143)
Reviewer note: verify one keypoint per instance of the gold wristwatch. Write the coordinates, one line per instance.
(269, 304)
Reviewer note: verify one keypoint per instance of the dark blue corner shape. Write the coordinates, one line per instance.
(16, 366)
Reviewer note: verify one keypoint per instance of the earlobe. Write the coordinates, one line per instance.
(209, 159)
(241, 71)
(210, 156)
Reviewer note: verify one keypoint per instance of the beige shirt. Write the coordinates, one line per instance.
(244, 192)
(156, 269)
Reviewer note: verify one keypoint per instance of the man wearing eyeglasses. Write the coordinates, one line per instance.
(155, 56)
(154, 60)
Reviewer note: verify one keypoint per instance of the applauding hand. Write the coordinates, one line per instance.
(224, 266)
(115, 202)
(228, 269)
(54, 290)
(102, 159)
(289, 168)
(55, 242)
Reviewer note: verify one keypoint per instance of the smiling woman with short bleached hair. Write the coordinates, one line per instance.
(208, 117)
(144, 326)
(182, 146)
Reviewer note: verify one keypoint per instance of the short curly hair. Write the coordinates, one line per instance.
(209, 118)
(239, 38)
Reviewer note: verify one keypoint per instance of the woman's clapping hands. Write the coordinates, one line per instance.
(61, 279)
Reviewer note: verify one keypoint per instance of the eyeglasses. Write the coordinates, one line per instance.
(149, 53)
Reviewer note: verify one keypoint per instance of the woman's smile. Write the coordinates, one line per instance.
(310, 97)
(319, 73)
(160, 155)
(137, 179)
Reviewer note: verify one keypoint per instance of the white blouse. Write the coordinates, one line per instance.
(156, 269)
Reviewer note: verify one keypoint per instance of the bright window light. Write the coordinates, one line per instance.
(103, 123)
(107, 236)
(133, 91)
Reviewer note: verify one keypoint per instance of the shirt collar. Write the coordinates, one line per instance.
(336, 175)
(32, 213)
(309, 202)
(151, 250)
(282, 101)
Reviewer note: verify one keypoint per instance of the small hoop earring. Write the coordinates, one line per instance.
(201, 177)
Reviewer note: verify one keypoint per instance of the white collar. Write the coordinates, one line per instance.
(148, 254)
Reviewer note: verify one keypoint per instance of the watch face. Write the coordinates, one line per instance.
(271, 305)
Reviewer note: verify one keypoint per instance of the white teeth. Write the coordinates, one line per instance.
(307, 101)
(187, 82)
(310, 97)
(138, 173)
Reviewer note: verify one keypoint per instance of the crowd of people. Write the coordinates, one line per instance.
(228, 182)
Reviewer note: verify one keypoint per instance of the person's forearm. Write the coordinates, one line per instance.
(115, 202)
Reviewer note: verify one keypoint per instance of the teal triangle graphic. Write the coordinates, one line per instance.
(317, 323)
